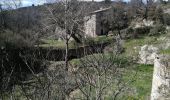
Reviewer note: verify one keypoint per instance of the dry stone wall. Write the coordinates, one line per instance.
(161, 78)
(147, 54)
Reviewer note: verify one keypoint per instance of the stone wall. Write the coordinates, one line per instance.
(161, 78)
(97, 23)
(147, 54)
(90, 25)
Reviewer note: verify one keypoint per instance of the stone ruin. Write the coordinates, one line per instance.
(161, 78)
(161, 75)
(147, 54)
(97, 22)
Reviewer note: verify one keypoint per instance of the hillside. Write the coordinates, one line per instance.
(45, 54)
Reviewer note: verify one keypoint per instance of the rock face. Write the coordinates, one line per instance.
(147, 54)
(161, 79)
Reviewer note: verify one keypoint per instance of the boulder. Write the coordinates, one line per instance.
(147, 54)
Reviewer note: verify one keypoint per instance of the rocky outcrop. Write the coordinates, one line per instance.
(161, 78)
(138, 23)
(147, 54)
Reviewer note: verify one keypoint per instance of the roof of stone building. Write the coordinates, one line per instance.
(100, 10)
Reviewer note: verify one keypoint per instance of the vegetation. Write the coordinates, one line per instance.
(157, 29)
(140, 76)
(167, 51)
(142, 82)
(72, 44)
(167, 19)
(111, 75)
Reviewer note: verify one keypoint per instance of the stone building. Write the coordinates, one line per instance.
(97, 23)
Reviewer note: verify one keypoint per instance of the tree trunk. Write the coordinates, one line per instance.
(66, 55)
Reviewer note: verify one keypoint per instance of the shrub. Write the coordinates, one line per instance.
(157, 29)
(142, 30)
(159, 14)
(127, 33)
(11, 39)
(167, 19)
(98, 40)
(89, 41)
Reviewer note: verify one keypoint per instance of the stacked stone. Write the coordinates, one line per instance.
(161, 78)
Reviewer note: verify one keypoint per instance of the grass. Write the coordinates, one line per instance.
(167, 51)
(52, 43)
(73, 44)
(132, 46)
(142, 82)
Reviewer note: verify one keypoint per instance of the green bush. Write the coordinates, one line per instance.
(98, 40)
(157, 29)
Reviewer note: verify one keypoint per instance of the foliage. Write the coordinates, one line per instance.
(159, 14)
(140, 76)
(134, 33)
(9, 38)
(157, 29)
(118, 17)
(167, 19)
(102, 73)
(89, 41)
(151, 11)
(98, 40)
(142, 30)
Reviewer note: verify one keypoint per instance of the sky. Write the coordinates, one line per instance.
(23, 2)
(35, 2)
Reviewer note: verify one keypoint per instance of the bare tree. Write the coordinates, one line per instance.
(101, 75)
(69, 17)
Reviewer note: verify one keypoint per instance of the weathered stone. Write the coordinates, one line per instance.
(147, 54)
(138, 23)
(161, 78)
(95, 25)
